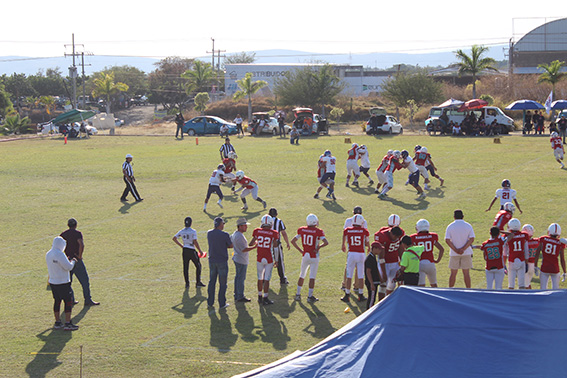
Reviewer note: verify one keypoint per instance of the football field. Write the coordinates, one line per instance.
(148, 325)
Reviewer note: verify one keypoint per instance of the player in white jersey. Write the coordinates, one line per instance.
(413, 178)
(381, 171)
(217, 178)
(329, 169)
(364, 163)
(505, 194)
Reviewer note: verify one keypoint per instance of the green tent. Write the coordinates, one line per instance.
(74, 115)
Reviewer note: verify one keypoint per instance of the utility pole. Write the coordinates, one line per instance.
(73, 72)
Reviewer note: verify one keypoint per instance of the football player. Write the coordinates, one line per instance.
(230, 166)
(393, 165)
(504, 215)
(217, 178)
(533, 243)
(352, 165)
(265, 237)
(413, 178)
(516, 248)
(425, 165)
(249, 186)
(493, 252)
(357, 239)
(381, 171)
(328, 161)
(552, 249)
(505, 194)
(427, 260)
(557, 147)
(389, 256)
(312, 240)
(364, 163)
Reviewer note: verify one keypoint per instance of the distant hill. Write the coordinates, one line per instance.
(30, 66)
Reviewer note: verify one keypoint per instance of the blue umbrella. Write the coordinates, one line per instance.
(559, 105)
(452, 103)
(525, 105)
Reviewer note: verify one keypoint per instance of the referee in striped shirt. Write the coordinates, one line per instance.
(129, 179)
(226, 148)
(279, 226)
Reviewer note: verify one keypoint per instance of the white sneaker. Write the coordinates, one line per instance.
(225, 305)
(245, 207)
(422, 195)
(220, 204)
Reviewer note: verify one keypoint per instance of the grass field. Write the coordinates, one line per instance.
(147, 324)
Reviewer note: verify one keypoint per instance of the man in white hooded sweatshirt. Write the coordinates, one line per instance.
(58, 268)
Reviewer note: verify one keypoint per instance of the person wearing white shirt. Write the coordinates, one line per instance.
(348, 223)
(189, 237)
(216, 179)
(459, 236)
(59, 268)
(240, 259)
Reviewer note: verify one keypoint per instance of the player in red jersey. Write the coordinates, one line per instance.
(357, 239)
(352, 165)
(381, 171)
(516, 248)
(557, 147)
(493, 252)
(427, 260)
(389, 256)
(310, 236)
(265, 260)
(249, 186)
(229, 167)
(393, 165)
(552, 249)
(533, 243)
(504, 216)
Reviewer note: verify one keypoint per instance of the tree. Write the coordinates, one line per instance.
(6, 106)
(201, 100)
(18, 86)
(105, 86)
(475, 63)
(552, 73)
(199, 78)
(135, 78)
(310, 86)
(240, 58)
(247, 89)
(14, 124)
(419, 87)
(166, 84)
(48, 84)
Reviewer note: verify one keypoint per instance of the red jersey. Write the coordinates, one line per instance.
(556, 143)
(391, 246)
(493, 253)
(310, 237)
(421, 158)
(393, 164)
(352, 154)
(502, 219)
(320, 166)
(532, 246)
(229, 165)
(427, 240)
(356, 238)
(247, 183)
(384, 164)
(516, 245)
(550, 249)
(265, 239)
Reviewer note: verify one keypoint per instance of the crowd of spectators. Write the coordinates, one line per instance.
(471, 126)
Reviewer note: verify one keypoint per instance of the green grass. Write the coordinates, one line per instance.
(147, 325)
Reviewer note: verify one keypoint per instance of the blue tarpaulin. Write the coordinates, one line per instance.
(424, 332)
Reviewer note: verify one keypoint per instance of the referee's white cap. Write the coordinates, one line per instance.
(129, 156)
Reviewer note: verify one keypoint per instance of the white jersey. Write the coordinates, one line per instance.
(189, 236)
(348, 223)
(411, 166)
(505, 195)
(216, 177)
(329, 164)
(364, 159)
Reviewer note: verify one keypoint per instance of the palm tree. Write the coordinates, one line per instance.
(552, 73)
(106, 87)
(247, 89)
(199, 78)
(14, 124)
(475, 63)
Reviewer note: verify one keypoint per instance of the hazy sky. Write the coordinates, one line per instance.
(180, 28)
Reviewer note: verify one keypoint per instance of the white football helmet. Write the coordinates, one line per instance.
(397, 154)
(394, 220)
(514, 224)
(528, 229)
(221, 167)
(354, 145)
(390, 152)
(554, 134)
(362, 149)
(267, 220)
(312, 220)
(423, 149)
(232, 155)
(422, 225)
(239, 175)
(327, 153)
(554, 229)
(357, 220)
(509, 206)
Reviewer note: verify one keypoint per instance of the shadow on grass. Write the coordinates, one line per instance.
(273, 330)
(283, 307)
(333, 206)
(55, 340)
(421, 205)
(320, 326)
(245, 324)
(436, 193)
(189, 306)
(222, 336)
(126, 206)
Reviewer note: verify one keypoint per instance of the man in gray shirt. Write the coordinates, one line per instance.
(219, 242)
(240, 259)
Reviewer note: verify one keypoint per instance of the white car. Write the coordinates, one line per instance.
(386, 124)
(272, 126)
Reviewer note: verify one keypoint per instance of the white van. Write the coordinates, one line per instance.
(443, 116)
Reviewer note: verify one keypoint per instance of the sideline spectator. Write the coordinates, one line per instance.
(179, 121)
(294, 135)
(219, 242)
(281, 125)
(459, 236)
(238, 121)
(409, 263)
(562, 123)
(223, 131)
(240, 259)
(190, 242)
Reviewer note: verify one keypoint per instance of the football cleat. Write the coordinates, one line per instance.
(316, 195)
(297, 297)
(346, 298)
(312, 299)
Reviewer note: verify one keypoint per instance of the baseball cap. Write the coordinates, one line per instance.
(218, 221)
(242, 222)
(129, 156)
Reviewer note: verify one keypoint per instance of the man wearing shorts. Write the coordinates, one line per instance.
(264, 237)
(310, 236)
(459, 236)
(357, 239)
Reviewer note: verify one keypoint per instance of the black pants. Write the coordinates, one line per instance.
(190, 254)
(239, 129)
(179, 131)
(371, 294)
(130, 188)
(62, 292)
(281, 266)
(411, 279)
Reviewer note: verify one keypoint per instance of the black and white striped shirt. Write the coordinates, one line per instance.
(225, 149)
(278, 225)
(127, 169)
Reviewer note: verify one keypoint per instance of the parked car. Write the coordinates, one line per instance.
(272, 126)
(380, 122)
(440, 117)
(207, 125)
(318, 123)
